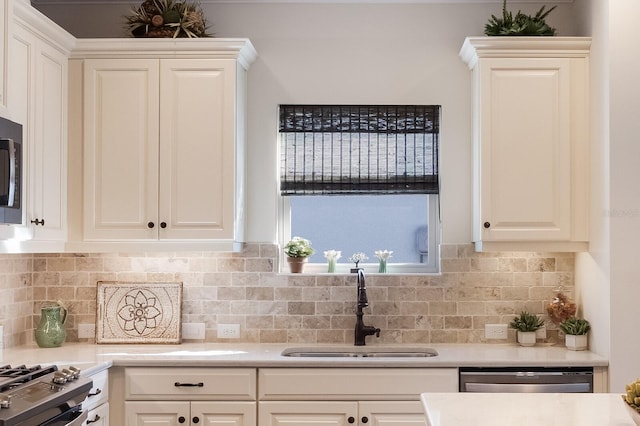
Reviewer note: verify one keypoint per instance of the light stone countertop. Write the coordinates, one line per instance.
(92, 357)
(526, 409)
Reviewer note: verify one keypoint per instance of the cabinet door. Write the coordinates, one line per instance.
(524, 169)
(392, 413)
(5, 13)
(156, 413)
(121, 104)
(223, 413)
(38, 94)
(287, 413)
(98, 416)
(197, 148)
(47, 208)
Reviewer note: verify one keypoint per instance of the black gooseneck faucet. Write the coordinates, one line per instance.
(362, 330)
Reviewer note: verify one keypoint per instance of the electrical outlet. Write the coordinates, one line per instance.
(86, 331)
(193, 331)
(228, 331)
(495, 331)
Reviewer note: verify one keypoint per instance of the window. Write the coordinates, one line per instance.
(359, 179)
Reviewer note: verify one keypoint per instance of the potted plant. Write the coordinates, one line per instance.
(297, 251)
(575, 330)
(526, 324)
(520, 24)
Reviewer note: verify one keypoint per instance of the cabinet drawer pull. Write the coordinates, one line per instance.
(189, 385)
(97, 392)
(95, 419)
(38, 222)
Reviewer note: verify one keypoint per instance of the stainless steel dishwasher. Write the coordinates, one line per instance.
(526, 379)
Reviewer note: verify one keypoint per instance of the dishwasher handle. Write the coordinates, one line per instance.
(528, 387)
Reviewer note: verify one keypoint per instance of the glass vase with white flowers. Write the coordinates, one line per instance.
(332, 257)
(383, 256)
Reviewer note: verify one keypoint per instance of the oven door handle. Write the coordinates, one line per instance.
(528, 387)
(78, 421)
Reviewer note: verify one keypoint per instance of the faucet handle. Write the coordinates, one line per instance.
(377, 332)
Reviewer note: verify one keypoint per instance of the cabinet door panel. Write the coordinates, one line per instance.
(121, 149)
(198, 162)
(224, 413)
(392, 413)
(48, 158)
(314, 413)
(526, 149)
(160, 413)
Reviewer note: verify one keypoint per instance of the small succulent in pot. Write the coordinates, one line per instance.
(298, 247)
(520, 24)
(526, 322)
(575, 326)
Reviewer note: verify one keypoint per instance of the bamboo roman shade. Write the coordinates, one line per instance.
(359, 149)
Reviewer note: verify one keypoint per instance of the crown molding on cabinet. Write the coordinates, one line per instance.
(128, 2)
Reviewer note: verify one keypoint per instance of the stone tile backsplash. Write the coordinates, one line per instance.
(243, 288)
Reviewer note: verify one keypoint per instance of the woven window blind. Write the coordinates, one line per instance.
(358, 149)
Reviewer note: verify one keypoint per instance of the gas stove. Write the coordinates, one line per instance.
(39, 396)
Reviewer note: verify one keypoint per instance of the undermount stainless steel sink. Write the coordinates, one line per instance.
(362, 352)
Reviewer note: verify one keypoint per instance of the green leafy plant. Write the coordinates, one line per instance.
(575, 326)
(526, 322)
(298, 247)
(520, 24)
(167, 18)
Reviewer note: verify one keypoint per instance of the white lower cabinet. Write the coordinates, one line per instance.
(348, 396)
(209, 413)
(188, 396)
(338, 413)
(97, 403)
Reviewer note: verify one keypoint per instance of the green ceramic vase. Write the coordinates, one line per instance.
(51, 331)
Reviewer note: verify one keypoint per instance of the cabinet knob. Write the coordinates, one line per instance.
(181, 419)
(351, 420)
(95, 419)
(38, 222)
(150, 225)
(195, 420)
(487, 225)
(163, 225)
(365, 419)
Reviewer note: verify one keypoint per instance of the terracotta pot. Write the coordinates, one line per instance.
(296, 264)
(527, 338)
(576, 342)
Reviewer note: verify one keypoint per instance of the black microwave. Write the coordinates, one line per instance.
(10, 171)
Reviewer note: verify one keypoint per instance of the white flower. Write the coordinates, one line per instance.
(357, 257)
(332, 254)
(383, 254)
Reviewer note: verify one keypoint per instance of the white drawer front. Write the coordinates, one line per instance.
(354, 383)
(99, 393)
(237, 384)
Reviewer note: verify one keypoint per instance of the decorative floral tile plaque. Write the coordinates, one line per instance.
(139, 312)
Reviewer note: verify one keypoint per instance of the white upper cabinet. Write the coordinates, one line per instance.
(37, 99)
(162, 143)
(531, 142)
(5, 13)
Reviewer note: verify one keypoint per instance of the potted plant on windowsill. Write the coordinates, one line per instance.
(526, 324)
(298, 249)
(575, 330)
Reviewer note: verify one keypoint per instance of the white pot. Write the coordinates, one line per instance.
(527, 338)
(576, 342)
